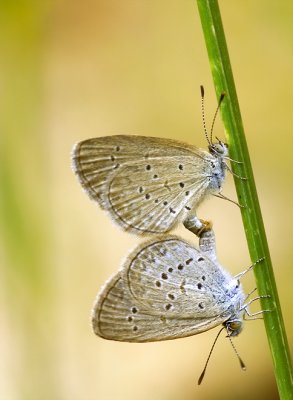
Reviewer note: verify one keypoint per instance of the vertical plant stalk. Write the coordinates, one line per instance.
(247, 194)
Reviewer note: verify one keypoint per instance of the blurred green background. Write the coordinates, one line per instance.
(71, 70)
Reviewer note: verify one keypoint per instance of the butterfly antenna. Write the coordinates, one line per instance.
(203, 115)
(208, 359)
(215, 116)
(242, 365)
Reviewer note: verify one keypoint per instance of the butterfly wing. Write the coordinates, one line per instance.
(118, 316)
(146, 184)
(165, 290)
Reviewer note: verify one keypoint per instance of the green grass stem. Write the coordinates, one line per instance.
(247, 194)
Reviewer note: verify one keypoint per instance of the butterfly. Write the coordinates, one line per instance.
(148, 184)
(169, 289)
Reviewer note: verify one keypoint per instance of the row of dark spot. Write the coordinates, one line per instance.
(117, 148)
(168, 307)
(181, 184)
(165, 203)
(130, 319)
(180, 267)
(149, 167)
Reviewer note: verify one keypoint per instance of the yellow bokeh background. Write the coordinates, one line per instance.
(71, 70)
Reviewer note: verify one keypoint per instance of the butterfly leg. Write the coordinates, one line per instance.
(249, 294)
(266, 296)
(234, 161)
(239, 276)
(252, 316)
(221, 196)
(243, 178)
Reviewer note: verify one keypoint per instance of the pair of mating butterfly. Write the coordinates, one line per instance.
(167, 288)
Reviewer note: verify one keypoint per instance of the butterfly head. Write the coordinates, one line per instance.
(233, 326)
(219, 149)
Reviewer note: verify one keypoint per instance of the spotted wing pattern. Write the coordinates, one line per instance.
(167, 289)
(147, 184)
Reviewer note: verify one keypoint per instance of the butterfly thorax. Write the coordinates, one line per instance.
(234, 324)
(218, 166)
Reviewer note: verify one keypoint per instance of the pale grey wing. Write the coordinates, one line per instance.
(174, 278)
(94, 160)
(155, 195)
(112, 170)
(118, 316)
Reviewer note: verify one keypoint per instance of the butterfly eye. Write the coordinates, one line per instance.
(235, 325)
(237, 284)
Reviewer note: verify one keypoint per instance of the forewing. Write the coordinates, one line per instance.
(171, 275)
(147, 184)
